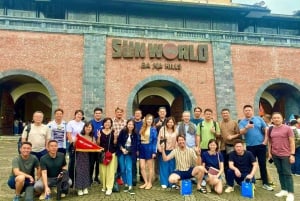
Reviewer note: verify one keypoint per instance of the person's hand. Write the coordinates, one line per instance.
(124, 151)
(162, 146)
(31, 179)
(237, 173)
(292, 159)
(153, 156)
(249, 176)
(47, 191)
(213, 130)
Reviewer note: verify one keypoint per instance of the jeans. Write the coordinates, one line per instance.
(125, 163)
(259, 152)
(231, 177)
(165, 169)
(283, 167)
(296, 165)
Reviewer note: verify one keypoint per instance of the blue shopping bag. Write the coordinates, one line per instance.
(186, 187)
(247, 189)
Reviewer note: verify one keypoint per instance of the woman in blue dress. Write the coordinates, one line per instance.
(147, 150)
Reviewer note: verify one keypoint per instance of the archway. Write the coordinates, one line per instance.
(280, 96)
(21, 93)
(157, 91)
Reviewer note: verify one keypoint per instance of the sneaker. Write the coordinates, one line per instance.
(203, 183)
(297, 175)
(42, 196)
(290, 197)
(80, 192)
(103, 190)
(229, 189)
(126, 189)
(85, 191)
(16, 198)
(108, 192)
(281, 193)
(131, 192)
(164, 186)
(267, 187)
(62, 195)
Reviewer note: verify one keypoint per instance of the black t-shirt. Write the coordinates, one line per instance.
(53, 165)
(244, 162)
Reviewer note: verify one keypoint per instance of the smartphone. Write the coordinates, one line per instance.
(270, 161)
(250, 122)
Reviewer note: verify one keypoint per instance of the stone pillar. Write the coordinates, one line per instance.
(93, 73)
(224, 82)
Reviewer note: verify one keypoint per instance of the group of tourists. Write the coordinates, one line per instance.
(194, 148)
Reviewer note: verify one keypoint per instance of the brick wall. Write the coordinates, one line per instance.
(122, 75)
(253, 66)
(56, 57)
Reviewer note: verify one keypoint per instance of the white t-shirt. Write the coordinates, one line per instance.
(58, 132)
(74, 127)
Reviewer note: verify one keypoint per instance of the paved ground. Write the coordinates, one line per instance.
(8, 151)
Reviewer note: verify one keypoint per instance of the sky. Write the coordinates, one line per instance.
(276, 6)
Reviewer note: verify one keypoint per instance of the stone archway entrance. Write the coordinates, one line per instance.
(20, 96)
(154, 94)
(281, 97)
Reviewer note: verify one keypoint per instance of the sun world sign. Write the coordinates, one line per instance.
(170, 51)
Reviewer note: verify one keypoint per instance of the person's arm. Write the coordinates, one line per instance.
(292, 147)
(38, 172)
(198, 138)
(45, 182)
(48, 137)
(18, 172)
(221, 170)
(253, 171)
(235, 169)
(164, 156)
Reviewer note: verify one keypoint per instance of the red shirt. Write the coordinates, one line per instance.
(279, 139)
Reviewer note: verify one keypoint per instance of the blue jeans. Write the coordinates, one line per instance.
(231, 177)
(283, 167)
(125, 163)
(296, 165)
(165, 169)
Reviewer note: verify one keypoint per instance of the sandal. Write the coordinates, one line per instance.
(202, 190)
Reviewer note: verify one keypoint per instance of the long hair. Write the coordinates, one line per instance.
(171, 119)
(87, 124)
(144, 126)
(126, 128)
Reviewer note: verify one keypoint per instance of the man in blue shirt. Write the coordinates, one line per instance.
(94, 158)
(255, 131)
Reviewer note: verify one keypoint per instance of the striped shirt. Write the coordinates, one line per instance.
(185, 159)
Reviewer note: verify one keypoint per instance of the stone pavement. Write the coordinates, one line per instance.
(8, 151)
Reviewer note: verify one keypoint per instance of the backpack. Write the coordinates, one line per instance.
(19, 143)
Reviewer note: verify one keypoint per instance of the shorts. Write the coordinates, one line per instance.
(12, 183)
(184, 174)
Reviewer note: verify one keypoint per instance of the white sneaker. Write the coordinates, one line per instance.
(85, 191)
(290, 197)
(281, 193)
(80, 192)
(229, 189)
(62, 195)
(267, 187)
(163, 186)
(42, 196)
(108, 192)
(103, 190)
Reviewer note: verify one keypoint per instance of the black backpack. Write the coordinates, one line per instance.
(19, 143)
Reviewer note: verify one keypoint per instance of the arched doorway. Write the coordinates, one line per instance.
(159, 91)
(22, 93)
(281, 97)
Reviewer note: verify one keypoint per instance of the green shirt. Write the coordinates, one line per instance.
(53, 165)
(27, 166)
(205, 133)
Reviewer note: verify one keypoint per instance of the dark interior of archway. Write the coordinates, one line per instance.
(287, 100)
(151, 104)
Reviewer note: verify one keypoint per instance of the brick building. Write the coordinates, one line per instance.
(145, 54)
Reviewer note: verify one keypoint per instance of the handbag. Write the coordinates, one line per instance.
(247, 189)
(106, 157)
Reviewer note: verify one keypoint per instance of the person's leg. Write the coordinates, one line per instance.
(163, 171)
(134, 171)
(39, 186)
(198, 172)
(143, 172)
(71, 163)
(122, 167)
(279, 166)
(174, 178)
(92, 165)
(230, 177)
(297, 161)
(150, 167)
(128, 164)
(97, 168)
(103, 176)
(29, 191)
(19, 183)
(110, 172)
(261, 157)
(171, 168)
(287, 174)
